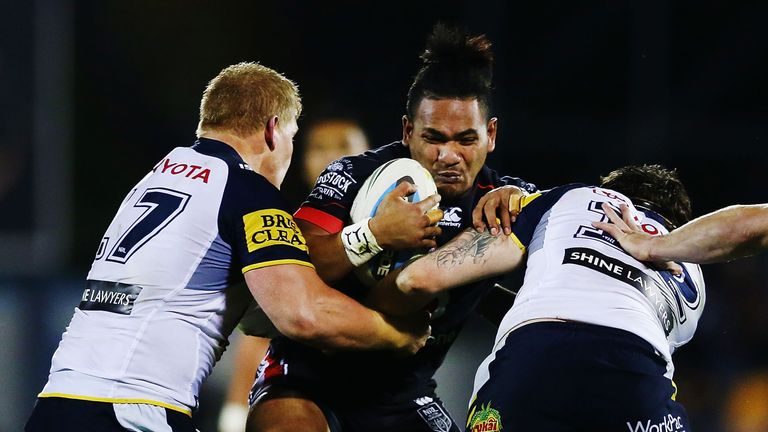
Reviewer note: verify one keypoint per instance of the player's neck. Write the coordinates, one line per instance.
(252, 149)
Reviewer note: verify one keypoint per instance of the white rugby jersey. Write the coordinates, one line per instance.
(577, 272)
(164, 291)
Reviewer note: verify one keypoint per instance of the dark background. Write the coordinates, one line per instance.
(581, 88)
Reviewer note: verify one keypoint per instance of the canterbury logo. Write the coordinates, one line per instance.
(423, 400)
(452, 214)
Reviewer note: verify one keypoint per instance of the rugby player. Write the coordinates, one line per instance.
(324, 141)
(588, 343)
(449, 129)
(162, 295)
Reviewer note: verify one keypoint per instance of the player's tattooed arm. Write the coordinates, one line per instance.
(469, 257)
(472, 244)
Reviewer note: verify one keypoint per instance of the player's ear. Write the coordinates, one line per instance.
(493, 125)
(269, 132)
(407, 130)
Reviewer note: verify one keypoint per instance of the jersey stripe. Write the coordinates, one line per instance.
(320, 218)
(277, 262)
(116, 401)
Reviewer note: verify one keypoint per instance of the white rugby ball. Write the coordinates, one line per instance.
(372, 192)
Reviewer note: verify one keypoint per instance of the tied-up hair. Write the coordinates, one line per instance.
(454, 66)
(655, 188)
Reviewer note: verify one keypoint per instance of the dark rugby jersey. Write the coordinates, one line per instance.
(356, 374)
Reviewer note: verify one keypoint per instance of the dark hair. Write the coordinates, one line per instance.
(455, 66)
(653, 187)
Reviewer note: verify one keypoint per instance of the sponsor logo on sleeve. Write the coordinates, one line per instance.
(272, 227)
(486, 419)
(434, 415)
(334, 181)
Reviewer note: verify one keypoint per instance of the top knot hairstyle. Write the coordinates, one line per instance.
(455, 66)
(655, 188)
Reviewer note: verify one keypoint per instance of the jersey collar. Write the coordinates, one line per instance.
(219, 149)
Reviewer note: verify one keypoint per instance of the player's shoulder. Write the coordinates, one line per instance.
(363, 164)
(342, 178)
(240, 175)
(216, 149)
(540, 202)
(488, 178)
(203, 169)
(245, 189)
(536, 206)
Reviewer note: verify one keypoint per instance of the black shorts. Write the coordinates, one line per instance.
(64, 415)
(568, 377)
(361, 398)
(422, 414)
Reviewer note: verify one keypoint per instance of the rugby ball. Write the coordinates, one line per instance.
(366, 203)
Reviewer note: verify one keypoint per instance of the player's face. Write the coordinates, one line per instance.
(329, 141)
(451, 139)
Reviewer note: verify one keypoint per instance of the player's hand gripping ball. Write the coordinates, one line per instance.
(374, 189)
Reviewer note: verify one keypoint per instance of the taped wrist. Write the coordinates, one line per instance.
(359, 242)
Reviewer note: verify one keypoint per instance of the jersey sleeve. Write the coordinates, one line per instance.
(534, 207)
(255, 221)
(330, 200)
(517, 181)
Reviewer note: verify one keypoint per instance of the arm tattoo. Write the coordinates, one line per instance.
(470, 243)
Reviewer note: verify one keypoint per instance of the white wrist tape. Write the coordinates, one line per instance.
(359, 242)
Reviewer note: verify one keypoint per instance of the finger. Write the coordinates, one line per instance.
(678, 270)
(674, 268)
(432, 232)
(428, 243)
(506, 223)
(515, 204)
(402, 190)
(613, 230)
(477, 215)
(429, 202)
(628, 218)
(615, 218)
(490, 216)
(669, 266)
(434, 215)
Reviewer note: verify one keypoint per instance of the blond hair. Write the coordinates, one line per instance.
(244, 96)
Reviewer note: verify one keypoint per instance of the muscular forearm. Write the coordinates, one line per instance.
(726, 234)
(338, 325)
(303, 308)
(469, 257)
